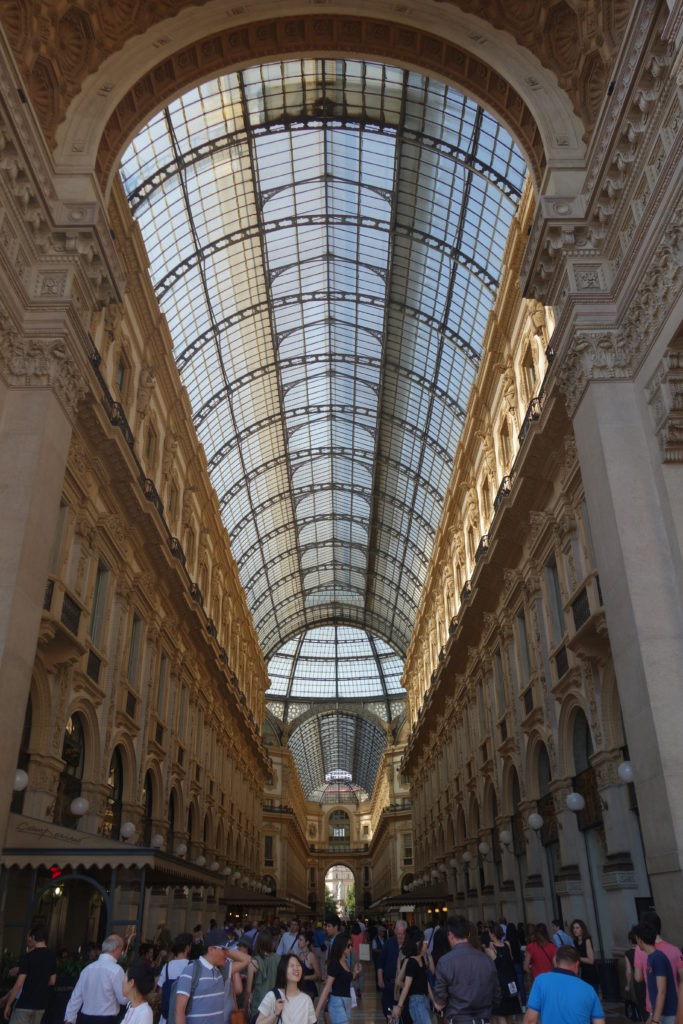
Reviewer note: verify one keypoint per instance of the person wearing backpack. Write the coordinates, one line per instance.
(208, 978)
(261, 973)
(172, 969)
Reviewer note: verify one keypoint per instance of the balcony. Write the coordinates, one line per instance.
(532, 414)
(61, 626)
(503, 491)
(482, 548)
(587, 624)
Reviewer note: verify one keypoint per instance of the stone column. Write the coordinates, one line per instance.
(639, 562)
(40, 385)
(512, 893)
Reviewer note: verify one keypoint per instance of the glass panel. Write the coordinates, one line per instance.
(325, 239)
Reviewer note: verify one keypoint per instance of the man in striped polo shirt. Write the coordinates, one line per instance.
(210, 1000)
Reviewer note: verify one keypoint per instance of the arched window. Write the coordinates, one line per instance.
(529, 375)
(112, 814)
(170, 839)
(339, 830)
(486, 501)
(70, 779)
(544, 775)
(505, 445)
(148, 799)
(583, 744)
(23, 759)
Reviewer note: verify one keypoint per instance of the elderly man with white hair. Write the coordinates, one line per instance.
(387, 964)
(98, 996)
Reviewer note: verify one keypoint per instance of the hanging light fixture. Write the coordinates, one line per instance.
(575, 802)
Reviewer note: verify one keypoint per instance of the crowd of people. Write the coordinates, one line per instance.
(272, 973)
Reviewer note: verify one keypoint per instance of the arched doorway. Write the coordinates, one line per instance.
(340, 890)
(71, 777)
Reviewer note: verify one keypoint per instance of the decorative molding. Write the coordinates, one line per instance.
(616, 353)
(41, 363)
(665, 398)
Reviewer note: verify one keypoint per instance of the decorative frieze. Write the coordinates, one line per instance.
(41, 363)
(665, 398)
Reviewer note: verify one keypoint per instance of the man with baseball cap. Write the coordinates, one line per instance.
(204, 993)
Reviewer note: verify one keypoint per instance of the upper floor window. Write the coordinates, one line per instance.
(552, 584)
(134, 651)
(529, 374)
(99, 604)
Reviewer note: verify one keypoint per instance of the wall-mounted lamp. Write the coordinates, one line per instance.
(535, 821)
(157, 840)
(575, 802)
(624, 771)
(20, 780)
(181, 849)
(79, 806)
(505, 836)
(127, 830)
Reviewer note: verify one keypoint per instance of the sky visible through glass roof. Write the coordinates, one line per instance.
(325, 239)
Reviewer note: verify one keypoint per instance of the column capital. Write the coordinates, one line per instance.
(616, 351)
(42, 362)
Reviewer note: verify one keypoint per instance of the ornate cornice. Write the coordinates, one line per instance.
(616, 353)
(38, 362)
(665, 398)
(584, 227)
(57, 249)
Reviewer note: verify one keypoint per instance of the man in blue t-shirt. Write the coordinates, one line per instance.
(661, 984)
(560, 997)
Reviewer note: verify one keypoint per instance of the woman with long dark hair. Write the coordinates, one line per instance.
(513, 941)
(336, 992)
(309, 962)
(540, 952)
(584, 947)
(261, 973)
(416, 990)
(499, 951)
(287, 1001)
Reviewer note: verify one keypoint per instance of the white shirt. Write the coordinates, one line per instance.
(98, 991)
(141, 1014)
(287, 944)
(297, 1010)
(173, 969)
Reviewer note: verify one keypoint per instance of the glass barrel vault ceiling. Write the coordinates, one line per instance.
(325, 239)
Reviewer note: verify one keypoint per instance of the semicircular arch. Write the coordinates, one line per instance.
(122, 93)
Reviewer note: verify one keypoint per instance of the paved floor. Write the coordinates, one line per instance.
(369, 1010)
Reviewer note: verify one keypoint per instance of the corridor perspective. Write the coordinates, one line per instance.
(341, 434)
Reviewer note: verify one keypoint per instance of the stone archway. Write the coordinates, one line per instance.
(346, 877)
(114, 80)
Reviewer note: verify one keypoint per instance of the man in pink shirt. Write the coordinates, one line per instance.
(672, 953)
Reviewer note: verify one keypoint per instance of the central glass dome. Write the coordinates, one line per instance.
(335, 663)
